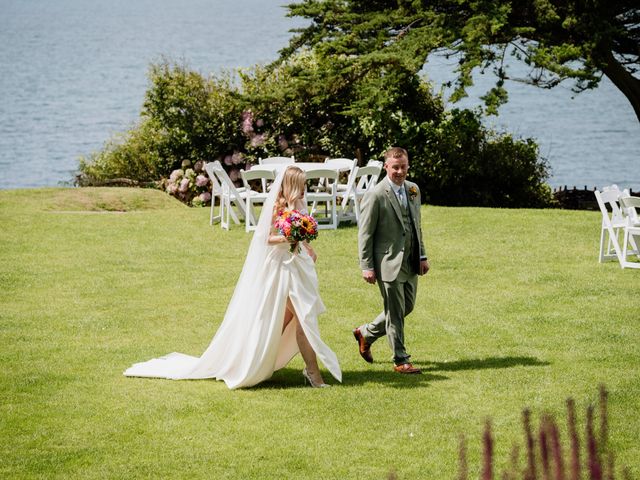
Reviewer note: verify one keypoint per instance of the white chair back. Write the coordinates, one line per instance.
(630, 206)
(272, 160)
(254, 197)
(323, 191)
(342, 164)
(367, 177)
(275, 161)
(233, 204)
(631, 237)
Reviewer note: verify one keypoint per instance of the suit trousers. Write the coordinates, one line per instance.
(399, 298)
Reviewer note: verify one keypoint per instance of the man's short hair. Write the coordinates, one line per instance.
(395, 152)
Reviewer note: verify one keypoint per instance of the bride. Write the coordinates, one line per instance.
(272, 314)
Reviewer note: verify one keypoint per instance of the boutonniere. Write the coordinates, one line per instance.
(413, 192)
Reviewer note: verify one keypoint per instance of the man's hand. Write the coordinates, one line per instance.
(369, 276)
(424, 266)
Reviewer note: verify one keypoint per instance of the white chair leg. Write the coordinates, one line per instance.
(248, 218)
(634, 246)
(213, 218)
(334, 214)
(225, 207)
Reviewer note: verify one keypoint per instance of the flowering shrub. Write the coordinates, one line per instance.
(190, 185)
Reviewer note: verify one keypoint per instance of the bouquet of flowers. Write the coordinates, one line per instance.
(296, 226)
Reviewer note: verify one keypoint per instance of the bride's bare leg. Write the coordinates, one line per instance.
(288, 315)
(306, 350)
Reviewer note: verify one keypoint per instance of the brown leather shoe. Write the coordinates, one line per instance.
(406, 368)
(363, 346)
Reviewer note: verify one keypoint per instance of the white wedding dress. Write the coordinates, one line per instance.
(250, 343)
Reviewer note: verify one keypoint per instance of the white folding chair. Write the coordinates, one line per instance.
(631, 231)
(233, 199)
(375, 163)
(612, 224)
(347, 210)
(366, 178)
(345, 167)
(254, 196)
(323, 194)
(216, 193)
(275, 161)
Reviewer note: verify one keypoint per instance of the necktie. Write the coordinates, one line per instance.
(401, 197)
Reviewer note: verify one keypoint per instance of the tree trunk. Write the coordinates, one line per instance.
(621, 78)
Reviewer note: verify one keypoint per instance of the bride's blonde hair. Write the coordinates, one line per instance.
(292, 188)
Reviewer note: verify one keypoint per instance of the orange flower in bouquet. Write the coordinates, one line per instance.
(296, 227)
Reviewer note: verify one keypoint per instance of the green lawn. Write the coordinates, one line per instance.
(515, 313)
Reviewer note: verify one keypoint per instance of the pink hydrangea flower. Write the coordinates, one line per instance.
(237, 158)
(202, 181)
(247, 122)
(176, 174)
(172, 188)
(205, 197)
(258, 140)
(184, 185)
(282, 142)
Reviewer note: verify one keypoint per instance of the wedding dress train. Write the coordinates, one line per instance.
(250, 343)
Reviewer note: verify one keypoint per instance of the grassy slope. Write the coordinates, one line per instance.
(516, 312)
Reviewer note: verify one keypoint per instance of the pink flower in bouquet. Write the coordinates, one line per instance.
(296, 226)
(202, 181)
(184, 185)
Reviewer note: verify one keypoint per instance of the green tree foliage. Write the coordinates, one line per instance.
(558, 39)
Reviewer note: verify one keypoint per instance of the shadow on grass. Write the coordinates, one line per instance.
(292, 378)
(289, 378)
(483, 364)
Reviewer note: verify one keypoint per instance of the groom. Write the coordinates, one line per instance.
(391, 253)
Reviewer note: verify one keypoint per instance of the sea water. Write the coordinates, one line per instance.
(73, 73)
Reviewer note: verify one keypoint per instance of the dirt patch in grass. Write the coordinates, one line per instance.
(111, 199)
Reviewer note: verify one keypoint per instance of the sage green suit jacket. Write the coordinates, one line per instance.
(381, 231)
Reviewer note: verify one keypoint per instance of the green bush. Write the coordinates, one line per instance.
(301, 107)
(460, 162)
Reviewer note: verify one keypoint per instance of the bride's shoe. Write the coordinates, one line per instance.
(307, 378)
